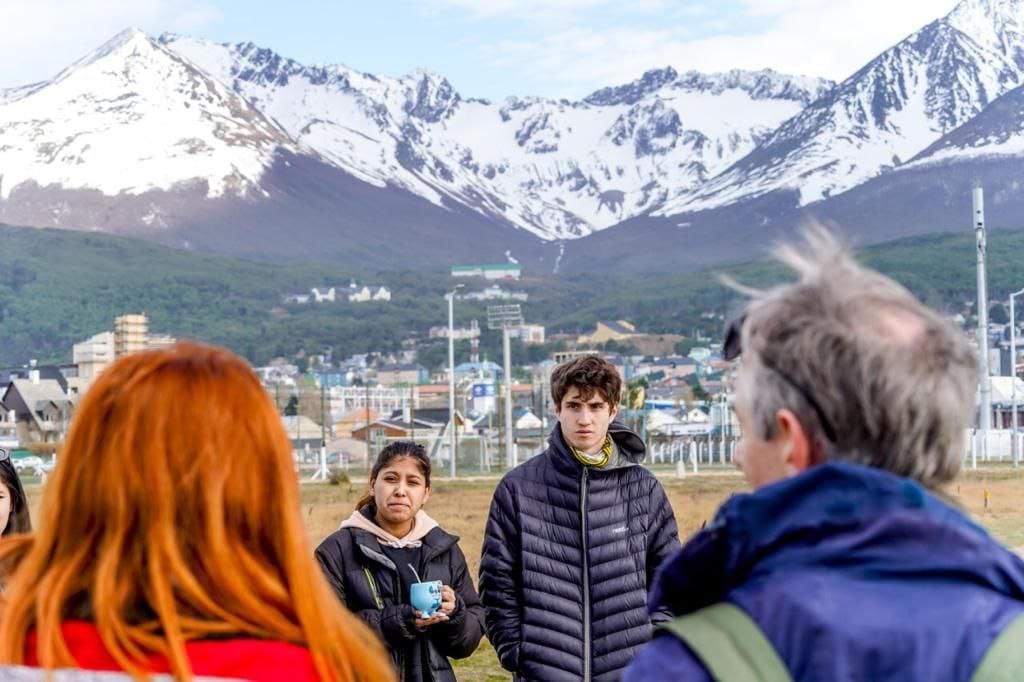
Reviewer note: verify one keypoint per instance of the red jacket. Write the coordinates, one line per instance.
(249, 659)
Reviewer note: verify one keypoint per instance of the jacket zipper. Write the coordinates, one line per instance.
(586, 576)
(380, 605)
(401, 651)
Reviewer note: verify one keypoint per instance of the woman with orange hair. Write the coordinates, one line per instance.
(170, 539)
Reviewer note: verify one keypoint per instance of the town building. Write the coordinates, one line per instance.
(503, 271)
(528, 333)
(495, 293)
(406, 373)
(39, 409)
(130, 334)
(93, 355)
(610, 330)
(366, 294)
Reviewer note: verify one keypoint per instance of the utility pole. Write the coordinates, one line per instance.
(366, 431)
(412, 412)
(510, 439)
(298, 415)
(321, 473)
(451, 377)
(985, 389)
(544, 379)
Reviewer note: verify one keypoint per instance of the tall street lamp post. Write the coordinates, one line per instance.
(451, 376)
(985, 388)
(506, 318)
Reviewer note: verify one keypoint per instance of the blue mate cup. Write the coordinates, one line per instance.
(426, 597)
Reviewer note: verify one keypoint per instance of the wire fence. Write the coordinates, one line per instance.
(486, 456)
(998, 447)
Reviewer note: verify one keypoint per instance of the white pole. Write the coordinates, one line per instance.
(322, 473)
(510, 453)
(451, 380)
(1013, 377)
(986, 388)
(725, 413)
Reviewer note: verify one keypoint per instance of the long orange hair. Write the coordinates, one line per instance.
(173, 515)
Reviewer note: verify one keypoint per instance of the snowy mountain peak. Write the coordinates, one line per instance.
(128, 37)
(765, 84)
(138, 115)
(246, 67)
(998, 131)
(887, 112)
(995, 24)
(631, 93)
(431, 97)
(132, 117)
(553, 167)
(130, 41)
(975, 14)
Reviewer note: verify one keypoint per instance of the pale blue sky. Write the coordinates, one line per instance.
(487, 48)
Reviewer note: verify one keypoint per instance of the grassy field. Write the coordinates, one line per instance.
(461, 507)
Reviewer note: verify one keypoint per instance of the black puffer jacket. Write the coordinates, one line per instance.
(568, 557)
(367, 582)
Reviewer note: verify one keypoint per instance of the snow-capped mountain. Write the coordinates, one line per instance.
(236, 148)
(558, 169)
(129, 118)
(932, 192)
(998, 131)
(897, 105)
(136, 139)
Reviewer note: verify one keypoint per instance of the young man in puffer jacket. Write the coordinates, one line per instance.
(573, 540)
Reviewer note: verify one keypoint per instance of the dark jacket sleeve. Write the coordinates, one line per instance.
(460, 636)
(663, 540)
(500, 573)
(394, 624)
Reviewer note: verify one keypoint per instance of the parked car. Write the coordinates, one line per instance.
(341, 457)
(31, 465)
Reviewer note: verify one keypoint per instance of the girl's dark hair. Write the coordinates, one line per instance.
(19, 521)
(391, 452)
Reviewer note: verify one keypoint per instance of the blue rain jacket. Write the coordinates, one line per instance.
(852, 573)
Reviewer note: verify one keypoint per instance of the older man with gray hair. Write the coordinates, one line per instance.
(847, 561)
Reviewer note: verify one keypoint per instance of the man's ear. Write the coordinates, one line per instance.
(797, 448)
(613, 410)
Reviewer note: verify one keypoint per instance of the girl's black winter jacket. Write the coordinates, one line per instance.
(367, 582)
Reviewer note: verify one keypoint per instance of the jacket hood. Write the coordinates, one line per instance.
(843, 517)
(631, 447)
(423, 524)
(629, 443)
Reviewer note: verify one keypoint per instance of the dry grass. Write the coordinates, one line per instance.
(461, 507)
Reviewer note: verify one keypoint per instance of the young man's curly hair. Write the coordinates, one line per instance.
(589, 374)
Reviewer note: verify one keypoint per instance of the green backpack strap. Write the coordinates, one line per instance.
(729, 644)
(1004, 659)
